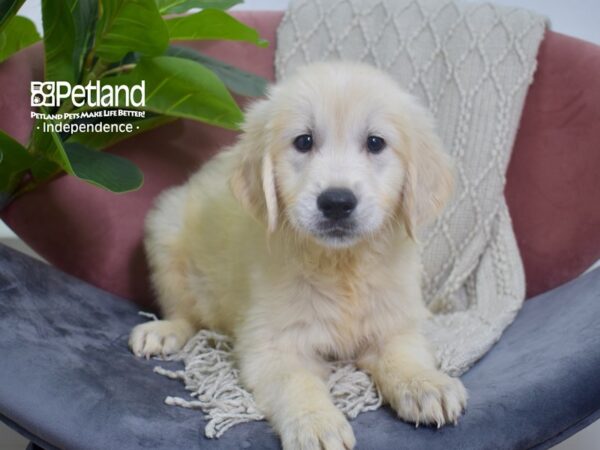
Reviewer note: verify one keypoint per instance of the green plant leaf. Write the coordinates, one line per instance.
(104, 170)
(181, 6)
(102, 140)
(182, 88)
(14, 162)
(59, 41)
(43, 169)
(18, 34)
(130, 25)
(85, 14)
(42, 148)
(8, 8)
(237, 80)
(68, 35)
(212, 24)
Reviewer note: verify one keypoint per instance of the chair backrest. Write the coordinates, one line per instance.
(97, 236)
(553, 181)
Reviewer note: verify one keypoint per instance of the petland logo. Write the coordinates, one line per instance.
(54, 93)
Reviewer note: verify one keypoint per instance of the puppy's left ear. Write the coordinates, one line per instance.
(429, 173)
(253, 180)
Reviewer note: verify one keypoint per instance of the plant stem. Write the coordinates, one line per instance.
(119, 69)
(33, 183)
(95, 73)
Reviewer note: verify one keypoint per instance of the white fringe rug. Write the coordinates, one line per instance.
(213, 380)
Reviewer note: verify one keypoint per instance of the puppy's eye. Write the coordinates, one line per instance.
(303, 143)
(375, 144)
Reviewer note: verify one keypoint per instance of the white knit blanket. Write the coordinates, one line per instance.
(471, 65)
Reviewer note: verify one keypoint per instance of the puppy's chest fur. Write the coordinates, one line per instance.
(347, 308)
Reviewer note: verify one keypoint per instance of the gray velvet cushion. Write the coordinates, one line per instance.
(67, 379)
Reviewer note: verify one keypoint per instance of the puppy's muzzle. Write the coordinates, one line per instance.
(337, 203)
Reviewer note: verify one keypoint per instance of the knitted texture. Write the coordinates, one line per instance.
(470, 64)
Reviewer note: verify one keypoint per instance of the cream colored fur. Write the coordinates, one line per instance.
(236, 249)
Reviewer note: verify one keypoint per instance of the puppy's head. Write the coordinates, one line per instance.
(339, 152)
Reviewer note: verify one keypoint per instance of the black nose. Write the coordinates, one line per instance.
(337, 203)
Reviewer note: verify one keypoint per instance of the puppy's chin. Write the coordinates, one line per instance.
(334, 241)
(334, 235)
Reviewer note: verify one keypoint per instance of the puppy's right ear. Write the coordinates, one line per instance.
(253, 180)
(429, 173)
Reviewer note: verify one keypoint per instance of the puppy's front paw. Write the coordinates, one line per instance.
(159, 337)
(430, 397)
(316, 430)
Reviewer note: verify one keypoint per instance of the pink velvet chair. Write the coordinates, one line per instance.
(553, 192)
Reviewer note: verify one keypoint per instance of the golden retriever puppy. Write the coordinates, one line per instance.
(299, 242)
